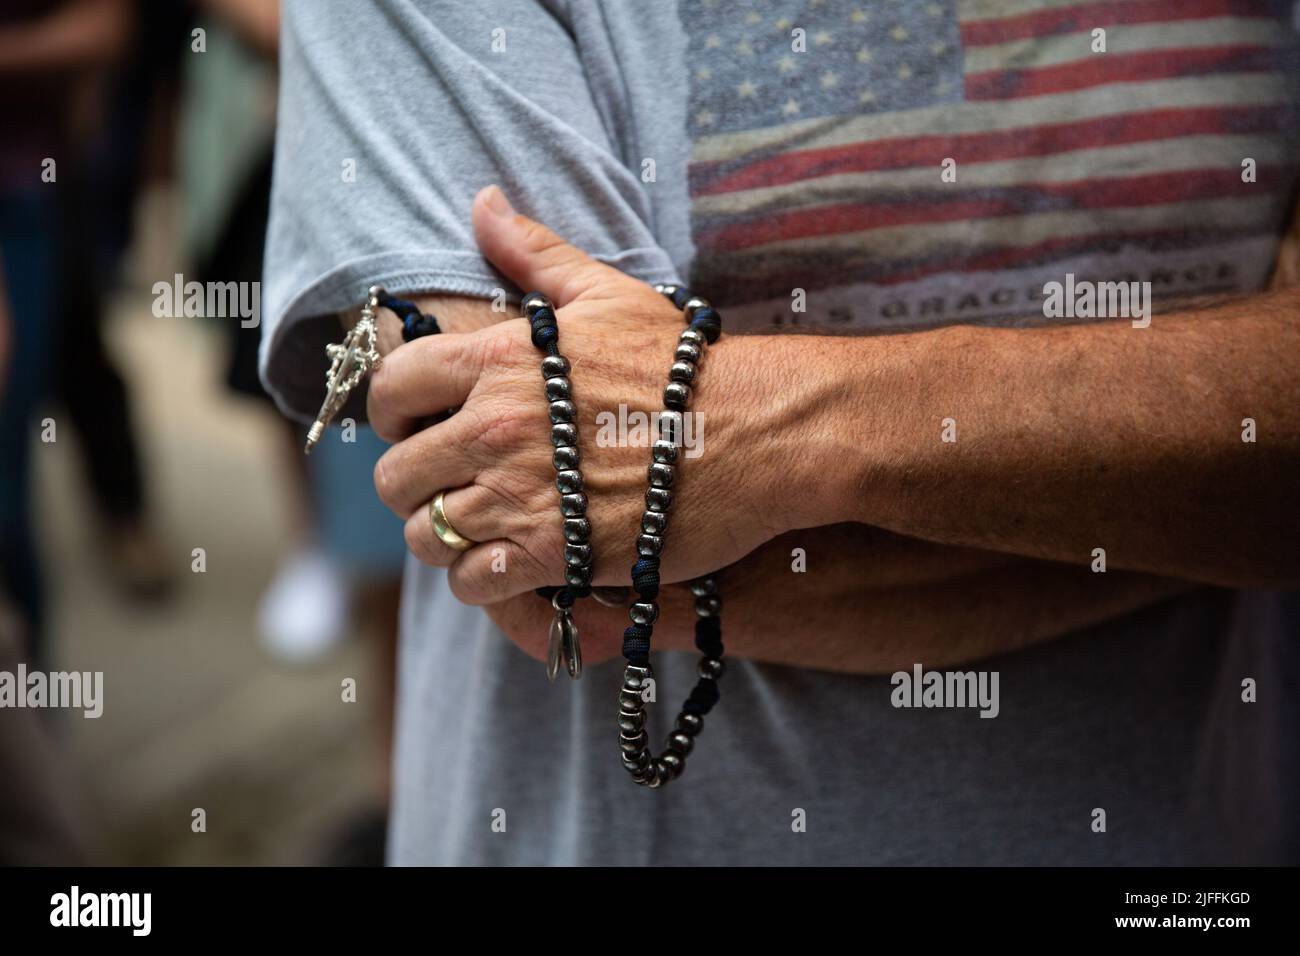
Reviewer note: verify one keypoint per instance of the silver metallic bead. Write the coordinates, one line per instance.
(644, 612)
(695, 337)
(566, 456)
(577, 530)
(672, 762)
(661, 475)
(693, 304)
(690, 723)
(532, 302)
(677, 396)
(710, 668)
(666, 289)
(577, 577)
(687, 352)
(680, 372)
(658, 499)
(702, 587)
(563, 411)
(574, 505)
(670, 427)
(637, 761)
(653, 522)
(555, 366)
(631, 723)
(634, 675)
(680, 742)
(630, 744)
(578, 555)
(564, 433)
(664, 451)
(568, 481)
(559, 388)
(630, 700)
(649, 545)
(708, 606)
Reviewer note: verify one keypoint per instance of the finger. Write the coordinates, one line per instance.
(389, 332)
(494, 571)
(441, 456)
(424, 544)
(483, 513)
(422, 378)
(535, 258)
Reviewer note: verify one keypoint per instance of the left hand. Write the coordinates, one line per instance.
(494, 454)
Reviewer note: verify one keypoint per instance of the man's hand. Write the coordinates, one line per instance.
(494, 455)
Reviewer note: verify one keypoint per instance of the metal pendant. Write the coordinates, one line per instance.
(563, 646)
(554, 647)
(572, 649)
(350, 362)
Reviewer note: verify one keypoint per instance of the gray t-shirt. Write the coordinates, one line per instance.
(758, 153)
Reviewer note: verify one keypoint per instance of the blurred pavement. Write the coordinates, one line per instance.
(195, 714)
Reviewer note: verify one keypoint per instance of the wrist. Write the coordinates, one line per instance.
(840, 393)
(798, 428)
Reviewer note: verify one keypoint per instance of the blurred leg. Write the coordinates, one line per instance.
(27, 252)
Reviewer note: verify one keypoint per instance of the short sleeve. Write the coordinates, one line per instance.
(392, 116)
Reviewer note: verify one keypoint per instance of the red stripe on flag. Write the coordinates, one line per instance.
(1099, 69)
(1151, 189)
(725, 176)
(1087, 16)
(767, 284)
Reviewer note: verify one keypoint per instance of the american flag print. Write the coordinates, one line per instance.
(819, 168)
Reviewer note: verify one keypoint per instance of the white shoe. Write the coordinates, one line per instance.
(303, 614)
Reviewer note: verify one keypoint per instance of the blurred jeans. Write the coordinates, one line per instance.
(29, 247)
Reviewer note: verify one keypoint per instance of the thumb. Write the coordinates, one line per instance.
(535, 258)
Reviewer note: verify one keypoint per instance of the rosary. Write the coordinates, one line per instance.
(358, 355)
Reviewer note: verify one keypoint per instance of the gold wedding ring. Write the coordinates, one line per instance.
(442, 526)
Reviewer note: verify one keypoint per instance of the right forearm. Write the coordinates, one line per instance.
(853, 613)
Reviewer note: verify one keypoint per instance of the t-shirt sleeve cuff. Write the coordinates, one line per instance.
(302, 321)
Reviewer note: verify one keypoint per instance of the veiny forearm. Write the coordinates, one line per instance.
(1075, 438)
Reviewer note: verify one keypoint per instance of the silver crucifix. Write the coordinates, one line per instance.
(350, 362)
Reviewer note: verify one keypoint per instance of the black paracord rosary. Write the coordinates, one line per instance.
(357, 356)
(704, 326)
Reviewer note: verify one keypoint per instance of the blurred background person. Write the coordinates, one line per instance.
(157, 122)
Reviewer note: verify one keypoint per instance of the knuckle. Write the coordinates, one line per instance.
(499, 346)
(468, 582)
(506, 429)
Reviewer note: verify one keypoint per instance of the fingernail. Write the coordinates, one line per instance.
(497, 202)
